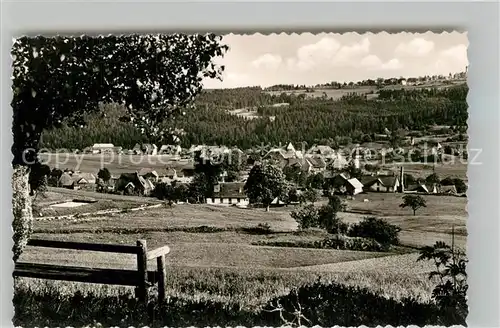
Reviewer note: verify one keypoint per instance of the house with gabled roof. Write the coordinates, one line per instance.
(343, 184)
(229, 193)
(321, 150)
(149, 149)
(314, 165)
(137, 150)
(170, 150)
(354, 187)
(338, 161)
(84, 178)
(417, 188)
(66, 181)
(149, 174)
(98, 148)
(380, 183)
(141, 186)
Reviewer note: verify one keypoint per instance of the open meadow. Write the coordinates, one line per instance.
(216, 253)
(116, 163)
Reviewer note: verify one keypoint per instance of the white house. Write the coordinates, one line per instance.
(229, 193)
(354, 186)
(102, 147)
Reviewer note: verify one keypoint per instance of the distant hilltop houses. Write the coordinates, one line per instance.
(403, 81)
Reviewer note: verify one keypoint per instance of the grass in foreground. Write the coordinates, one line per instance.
(249, 288)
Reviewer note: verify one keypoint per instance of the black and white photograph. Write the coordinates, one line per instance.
(282, 179)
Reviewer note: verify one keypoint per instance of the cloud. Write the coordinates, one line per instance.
(267, 61)
(349, 54)
(450, 59)
(457, 53)
(328, 51)
(416, 47)
(392, 64)
(373, 62)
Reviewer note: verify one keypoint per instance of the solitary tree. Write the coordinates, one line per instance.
(265, 182)
(413, 201)
(59, 79)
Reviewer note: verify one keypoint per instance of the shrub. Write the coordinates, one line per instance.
(377, 229)
(351, 243)
(259, 229)
(306, 216)
(328, 220)
(451, 292)
(339, 242)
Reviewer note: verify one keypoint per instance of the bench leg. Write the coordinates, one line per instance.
(162, 277)
(141, 291)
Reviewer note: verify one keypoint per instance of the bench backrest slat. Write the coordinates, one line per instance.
(109, 248)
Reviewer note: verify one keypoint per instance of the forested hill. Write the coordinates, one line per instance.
(313, 120)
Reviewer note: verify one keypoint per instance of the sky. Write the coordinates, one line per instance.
(311, 59)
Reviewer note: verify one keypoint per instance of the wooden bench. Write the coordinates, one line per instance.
(140, 278)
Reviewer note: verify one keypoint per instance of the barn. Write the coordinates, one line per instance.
(380, 183)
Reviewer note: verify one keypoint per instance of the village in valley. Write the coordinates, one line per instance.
(348, 171)
(164, 198)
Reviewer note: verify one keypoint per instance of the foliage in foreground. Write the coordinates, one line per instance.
(326, 304)
(335, 304)
(450, 293)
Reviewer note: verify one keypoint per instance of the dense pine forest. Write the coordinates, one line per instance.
(313, 120)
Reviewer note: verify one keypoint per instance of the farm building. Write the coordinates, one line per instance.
(341, 183)
(419, 188)
(102, 147)
(229, 193)
(84, 178)
(280, 157)
(314, 165)
(354, 187)
(338, 161)
(380, 183)
(137, 150)
(320, 150)
(141, 186)
(66, 181)
(170, 173)
(149, 174)
(170, 150)
(149, 149)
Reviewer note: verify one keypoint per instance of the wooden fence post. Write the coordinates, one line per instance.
(162, 277)
(142, 268)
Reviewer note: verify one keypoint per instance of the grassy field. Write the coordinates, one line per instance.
(116, 163)
(430, 224)
(456, 169)
(371, 91)
(223, 262)
(330, 93)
